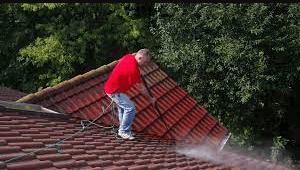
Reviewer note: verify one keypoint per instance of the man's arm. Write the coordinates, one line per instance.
(142, 88)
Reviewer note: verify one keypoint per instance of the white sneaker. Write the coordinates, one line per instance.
(131, 133)
(125, 136)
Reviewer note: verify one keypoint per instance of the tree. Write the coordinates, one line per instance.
(238, 60)
(73, 38)
(17, 31)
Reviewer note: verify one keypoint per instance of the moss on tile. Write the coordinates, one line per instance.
(27, 98)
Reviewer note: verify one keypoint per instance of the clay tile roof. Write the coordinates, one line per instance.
(33, 140)
(37, 142)
(181, 118)
(8, 94)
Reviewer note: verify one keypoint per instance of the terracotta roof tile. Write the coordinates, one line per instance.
(8, 94)
(39, 141)
(83, 97)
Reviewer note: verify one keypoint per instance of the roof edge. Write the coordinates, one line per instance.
(31, 109)
(51, 90)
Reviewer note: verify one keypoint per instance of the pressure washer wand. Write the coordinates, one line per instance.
(157, 110)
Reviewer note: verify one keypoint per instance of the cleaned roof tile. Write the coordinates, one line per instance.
(100, 163)
(66, 164)
(54, 157)
(29, 165)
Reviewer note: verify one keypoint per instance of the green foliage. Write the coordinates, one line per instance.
(62, 40)
(235, 59)
(39, 6)
(49, 55)
(278, 147)
(16, 32)
(244, 138)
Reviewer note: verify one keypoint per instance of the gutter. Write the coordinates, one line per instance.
(31, 109)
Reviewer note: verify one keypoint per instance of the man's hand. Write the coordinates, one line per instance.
(145, 92)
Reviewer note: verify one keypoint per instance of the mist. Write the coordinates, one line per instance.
(213, 155)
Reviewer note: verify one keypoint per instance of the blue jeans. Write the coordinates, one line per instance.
(126, 111)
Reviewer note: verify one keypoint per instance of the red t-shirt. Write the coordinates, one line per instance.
(125, 74)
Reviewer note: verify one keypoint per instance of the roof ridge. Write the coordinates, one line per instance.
(51, 90)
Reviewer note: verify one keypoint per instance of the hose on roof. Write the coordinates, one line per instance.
(56, 145)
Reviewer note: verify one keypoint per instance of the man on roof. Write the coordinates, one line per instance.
(125, 75)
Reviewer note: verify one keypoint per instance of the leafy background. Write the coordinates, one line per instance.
(239, 60)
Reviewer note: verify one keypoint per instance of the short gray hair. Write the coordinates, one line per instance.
(145, 52)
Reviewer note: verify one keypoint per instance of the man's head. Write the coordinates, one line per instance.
(143, 57)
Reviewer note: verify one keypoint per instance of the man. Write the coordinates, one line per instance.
(125, 75)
